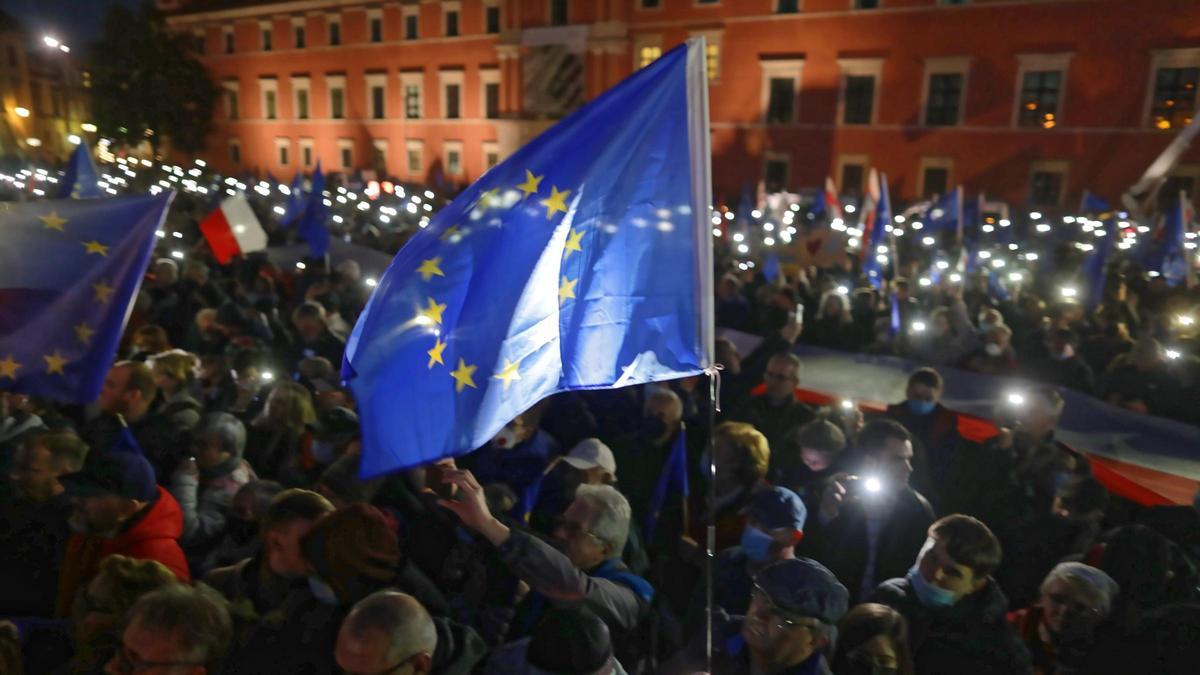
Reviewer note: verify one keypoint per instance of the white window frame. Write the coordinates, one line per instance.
(299, 22)
(643, 41)
(283, 145)
(946, 65)
(372, 14)
(1035, 63)
(781, 69)
(1059, 166)
(301, 83)
(859, 68)
(307, 144)
(713, 36)
(376, 80)
(228, 37)
(344, 144)
(946, 163)
(448, 77)
(335, 82)
(776, 156)
(380, 146)
(414, 145)
(447, 7)
(266, 26)
(265, 85)
(857, 159)
(447, 148)
(234, 87)
(235, 143)
(332, 18)
(1167, 58)
(489, 147)
(486, 76)
(407, 80)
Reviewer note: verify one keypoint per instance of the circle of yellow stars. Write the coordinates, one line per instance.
(55, 361)
(432, 312)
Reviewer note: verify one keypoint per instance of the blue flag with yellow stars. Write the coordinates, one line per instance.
(69, 271)
(584, 261)
(80, 181)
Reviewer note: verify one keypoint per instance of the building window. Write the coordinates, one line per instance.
(648, 54)
(945, 99)
(781, 102)
(411, 27)
(376, 28)
(377, 103)
(335, 33)
(651, 4)
(299, 37)
(859, 99)
(952, 3)
(197, 44)
(935, 181)
(412, 101)
(282, 148)
(451, 101)
(270, 105)
(491, 100)
(492, 18)
(306, 152)
(453, 150)
(866, 4)
(346, 152)
(232, 108)
(266, 38)
(787, 6)
(559, 12)
(775, 173)
(302, 104)
(851, 177)
(712, 54)
(491, 154)
(379, 147)
(1174, 99)
(1039, 99)
(1045, 187)
(235, 152)
(416, 163)
(227, 36)
(451, 22)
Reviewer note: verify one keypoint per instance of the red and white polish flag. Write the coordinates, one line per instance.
(233, 229)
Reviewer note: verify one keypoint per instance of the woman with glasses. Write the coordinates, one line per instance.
(1058, 630)
(872, 640)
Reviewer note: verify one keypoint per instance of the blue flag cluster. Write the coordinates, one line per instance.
(68, 273)
(312, 221)
(581, 262)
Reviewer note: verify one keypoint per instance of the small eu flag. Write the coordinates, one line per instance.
(672, 480)
(80, 181)
(312, 222)
(69, 271)
(584, 261)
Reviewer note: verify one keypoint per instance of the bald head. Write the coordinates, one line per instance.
(385, 630)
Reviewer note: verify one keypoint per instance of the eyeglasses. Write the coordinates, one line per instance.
(128, 662)
(1073, 605)
(571, 528)
(784, 621)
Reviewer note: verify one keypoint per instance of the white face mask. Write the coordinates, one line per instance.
(993, 349)
(506, 439)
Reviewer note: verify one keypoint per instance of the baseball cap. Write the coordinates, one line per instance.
(776, 507)
(590, 453)
(804, 588)
(570, 641)
(119, 470)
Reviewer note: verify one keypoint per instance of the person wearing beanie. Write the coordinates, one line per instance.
(567, 641)
(789, 628)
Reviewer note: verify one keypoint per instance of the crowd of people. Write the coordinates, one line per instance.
(207, 515)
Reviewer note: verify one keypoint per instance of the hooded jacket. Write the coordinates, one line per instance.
(153, 534)
(972, 636)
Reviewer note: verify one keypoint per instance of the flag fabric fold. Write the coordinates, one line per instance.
(294, 206)
(581, 262)
(232, 229)
(69, 272)
(80, 181)
(882, 217)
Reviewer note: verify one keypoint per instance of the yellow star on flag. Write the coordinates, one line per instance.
(84, 332)
(557, 202)
(489, 197)
(508, 373)
(462, 376)
(8, 367)
(573, 241)
(434, 311)
(450, 232)
(94, 246)
(435, 354)
(566, 290)
(429, 269)
(53, 221)
(54, 363)
(103, 291)
(531, 184)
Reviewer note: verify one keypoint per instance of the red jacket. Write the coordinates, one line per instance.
(154, 536)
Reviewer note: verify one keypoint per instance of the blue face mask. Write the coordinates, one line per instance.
(756, 544)
(920, 406)
(927, 593)
(322, 591)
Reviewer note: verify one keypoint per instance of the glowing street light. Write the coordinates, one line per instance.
(21, 111)
(50, 41)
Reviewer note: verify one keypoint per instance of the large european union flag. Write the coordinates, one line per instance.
(584, 261)
(68, 273)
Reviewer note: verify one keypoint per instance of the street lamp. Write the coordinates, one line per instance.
(21, 111)
(33, 142)
(88, 127)
(50, 41)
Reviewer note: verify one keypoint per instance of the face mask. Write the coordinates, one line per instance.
(921, 407)
(756, 544)
(241, 531)
(653, 427)
(507, 438)
(992, 349)
(927, 593)
(322, 591)
(987, 326)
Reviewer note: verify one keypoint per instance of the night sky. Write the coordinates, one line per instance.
(75, 22)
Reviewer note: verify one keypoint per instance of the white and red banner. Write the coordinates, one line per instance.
(233, 229)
